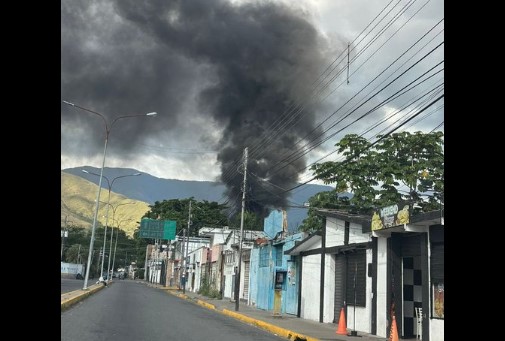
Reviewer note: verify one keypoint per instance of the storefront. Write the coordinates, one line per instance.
(410, 273)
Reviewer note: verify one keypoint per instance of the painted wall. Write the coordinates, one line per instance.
(253, 277)
(195, 257)
(329, 289)
(70, 270)
(311, 271)
(335, 231)
(292, 287)
(289, 264)
(228, 270)
(264, 293)
(436, 329)
(382, 304)
(262, 278)
(273, 223)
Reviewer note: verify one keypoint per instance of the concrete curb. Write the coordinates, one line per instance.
(290, 335)
(206, 305)
(70, 298)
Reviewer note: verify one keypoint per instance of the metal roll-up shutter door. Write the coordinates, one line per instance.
(356, 270)
(411, 245)
(247, 266)
(437, 252)
(340, 271)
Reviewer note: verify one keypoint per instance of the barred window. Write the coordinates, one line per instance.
(278, 256)
(264, 253)
(229, 256)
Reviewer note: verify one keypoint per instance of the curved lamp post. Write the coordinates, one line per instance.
(107, 132)
(115, 245)
(112, 234)
(109, 185)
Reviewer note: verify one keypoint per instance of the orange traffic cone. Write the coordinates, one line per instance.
(342, 325)
(393, 336)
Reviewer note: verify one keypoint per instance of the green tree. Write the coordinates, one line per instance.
(252, 221)
(76, 254)
(376, 173)
(138, 251)
(329, 200)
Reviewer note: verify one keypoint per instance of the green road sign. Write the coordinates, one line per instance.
(157, 229)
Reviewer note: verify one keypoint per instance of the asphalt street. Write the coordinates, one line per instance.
(128, 310)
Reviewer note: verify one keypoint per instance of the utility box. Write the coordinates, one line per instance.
(280, 280)
(279, 285)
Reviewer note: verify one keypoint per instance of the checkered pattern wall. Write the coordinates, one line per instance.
(412, 294)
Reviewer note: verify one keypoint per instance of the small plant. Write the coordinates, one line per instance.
(208, 289)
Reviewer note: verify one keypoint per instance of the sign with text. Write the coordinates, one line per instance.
(390, 216)
(157, 229)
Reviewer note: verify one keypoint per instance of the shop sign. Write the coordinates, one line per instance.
(390, 216)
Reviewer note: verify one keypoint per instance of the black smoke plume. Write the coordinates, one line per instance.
(255, 59)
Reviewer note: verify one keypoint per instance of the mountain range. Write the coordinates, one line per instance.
(149, 189)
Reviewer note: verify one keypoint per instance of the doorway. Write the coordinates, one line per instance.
(412, 293)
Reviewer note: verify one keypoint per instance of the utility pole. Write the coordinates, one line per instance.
(185, 276)
(166, 265)
(63, 235)
(183, 263)
(145, 265)
(98, 261)
(237, 277)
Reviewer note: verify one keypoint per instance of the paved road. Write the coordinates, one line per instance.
(132, 311)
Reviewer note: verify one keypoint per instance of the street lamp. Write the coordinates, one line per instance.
(114, 208)
(115, 245)
(107, 132)
(109, 185)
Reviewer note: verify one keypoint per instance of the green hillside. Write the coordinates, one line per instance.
(78, 204)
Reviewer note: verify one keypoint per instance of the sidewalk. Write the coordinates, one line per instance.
(288, 326)
(70, 298)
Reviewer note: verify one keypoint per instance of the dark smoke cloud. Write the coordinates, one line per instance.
(259, 59)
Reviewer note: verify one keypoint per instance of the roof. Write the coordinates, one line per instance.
(423, 218)
(343, 215)
(305, 244)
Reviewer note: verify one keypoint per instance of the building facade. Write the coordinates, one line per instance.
(375, 273)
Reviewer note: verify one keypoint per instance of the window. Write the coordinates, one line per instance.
(278, 255)
(264, 253)
(229, 257)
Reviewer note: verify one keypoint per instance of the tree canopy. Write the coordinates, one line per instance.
(398, 167)
(127, 249)
(203, 213)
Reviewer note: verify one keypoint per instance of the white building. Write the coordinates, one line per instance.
(374, 271)
(331, 261)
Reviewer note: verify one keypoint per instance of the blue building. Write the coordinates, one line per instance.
(271, 271)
